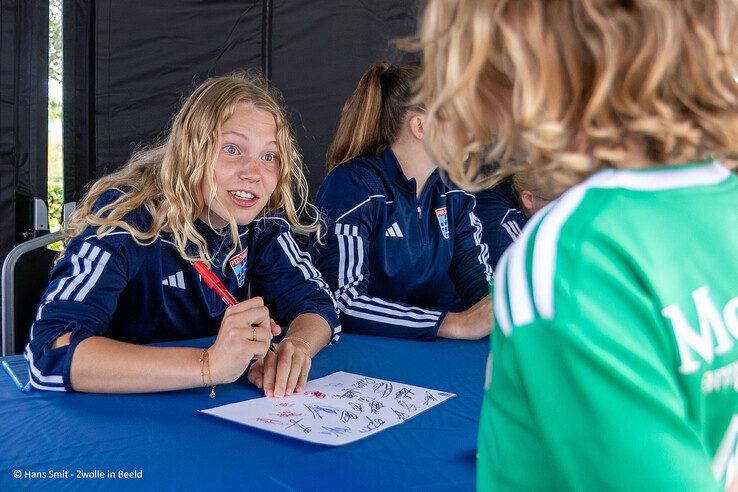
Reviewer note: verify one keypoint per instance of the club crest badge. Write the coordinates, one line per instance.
(442, 217)
(238, 264)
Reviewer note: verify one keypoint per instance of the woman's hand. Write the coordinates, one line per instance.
(245, 333)
(285, 371)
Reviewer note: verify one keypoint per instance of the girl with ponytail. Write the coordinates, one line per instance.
(402, 252)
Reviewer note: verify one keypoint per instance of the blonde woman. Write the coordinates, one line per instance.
(615, 347)
(219, 190)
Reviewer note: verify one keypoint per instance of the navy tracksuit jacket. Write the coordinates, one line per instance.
(398, 263)
(499, 211)
(113, 287)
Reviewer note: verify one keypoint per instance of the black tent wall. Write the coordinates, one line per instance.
(8, 55)
(320, 50)
(77, 118)
(24, 49)
(128, 66)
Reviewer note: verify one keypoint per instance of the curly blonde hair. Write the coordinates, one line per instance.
(167, 179)
(568, 87)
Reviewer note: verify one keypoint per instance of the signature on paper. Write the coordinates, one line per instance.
(349, 394)
(286, 414)
(346, 416)
(404, 393)
(373, 424)
(316, 410)
(385, 388)
(410, 407)
(298, 425)
(363, 383)
(336, 431)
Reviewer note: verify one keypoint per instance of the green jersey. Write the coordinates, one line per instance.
(614, 360)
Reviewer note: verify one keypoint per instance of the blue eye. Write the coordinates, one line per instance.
(231, 149)
(270, 157)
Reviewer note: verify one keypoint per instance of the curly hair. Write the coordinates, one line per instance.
(568, 87)
(167, 179)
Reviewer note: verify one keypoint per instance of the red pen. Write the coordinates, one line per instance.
(212, 281)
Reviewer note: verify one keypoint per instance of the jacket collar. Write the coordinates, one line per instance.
(392, 169)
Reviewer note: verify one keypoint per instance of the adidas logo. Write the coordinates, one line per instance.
(394, 231)
(176, 280)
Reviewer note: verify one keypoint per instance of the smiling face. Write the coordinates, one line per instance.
(246, 168)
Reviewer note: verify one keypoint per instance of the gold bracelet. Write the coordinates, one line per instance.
(307, 344)
(205, 359)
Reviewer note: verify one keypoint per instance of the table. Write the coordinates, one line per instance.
(166, 443)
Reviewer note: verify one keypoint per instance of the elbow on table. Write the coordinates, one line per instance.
(46, 363)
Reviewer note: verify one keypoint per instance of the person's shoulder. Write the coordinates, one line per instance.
(535, 274)
(352, 186)
(273, 236)
(501, 195)
(460, 196)
(270, 224)
(458, 201)
(498, 205)
(139, 218)
(106, 198)
(115, 237)
(358, 176)
(585, 230)
(593, 248)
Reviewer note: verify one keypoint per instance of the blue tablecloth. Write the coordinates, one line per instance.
(165, 442)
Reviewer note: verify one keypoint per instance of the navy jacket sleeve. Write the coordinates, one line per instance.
(285, 276)
(344, 262)
(499, 212)
(81, 299)
(470, 270)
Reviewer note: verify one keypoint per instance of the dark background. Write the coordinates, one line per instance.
(143, 58)
(128, 65)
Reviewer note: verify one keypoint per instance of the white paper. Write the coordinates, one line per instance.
(336, 409)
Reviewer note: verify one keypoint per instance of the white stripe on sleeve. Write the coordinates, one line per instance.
(483, 256)
(351, 259)
(75, 271)
(94, 278)
(502, 315)
(302, 260)
(37, 373)
(86, 270)
(291, 256)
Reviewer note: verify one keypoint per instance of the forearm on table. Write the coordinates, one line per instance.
(472, 323)
(312, 328)
(103, 365)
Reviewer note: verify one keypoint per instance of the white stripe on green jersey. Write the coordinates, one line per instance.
(615, 350)
(548, 230)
